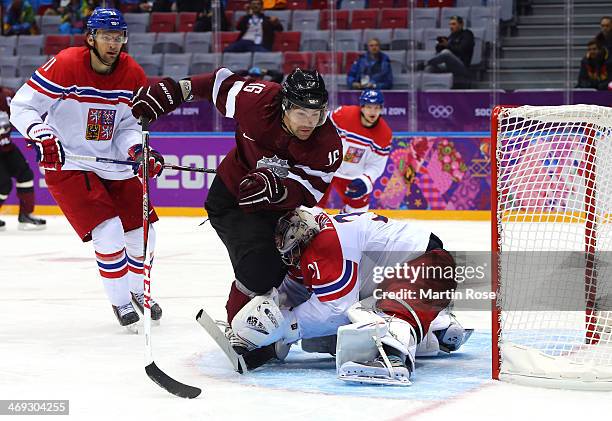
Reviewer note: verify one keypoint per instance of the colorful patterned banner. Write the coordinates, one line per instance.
(438, 173)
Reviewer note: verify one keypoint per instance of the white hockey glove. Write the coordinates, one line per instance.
(261, 322)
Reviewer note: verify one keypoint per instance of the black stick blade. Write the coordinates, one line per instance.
(168, 383)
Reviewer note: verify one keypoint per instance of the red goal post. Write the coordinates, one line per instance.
(551, 233)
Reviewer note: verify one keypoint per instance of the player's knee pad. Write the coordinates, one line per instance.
(107, 237)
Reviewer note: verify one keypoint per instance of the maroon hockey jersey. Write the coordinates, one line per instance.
(306, 166)
(5, 134)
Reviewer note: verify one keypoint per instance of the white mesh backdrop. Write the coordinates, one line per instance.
(546, 216)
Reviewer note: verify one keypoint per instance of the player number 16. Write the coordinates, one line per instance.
(333, 156)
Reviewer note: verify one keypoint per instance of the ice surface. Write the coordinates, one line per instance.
(60, 340)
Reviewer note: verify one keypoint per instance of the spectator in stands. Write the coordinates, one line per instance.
(258, 73)
(72, 18)
(256, 30)
(595, 67)
(205, 11)
(372, 70)
(20, 19)
(148, 6)
(454, 53)
(605, 36)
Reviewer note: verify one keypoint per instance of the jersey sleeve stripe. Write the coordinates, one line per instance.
(309, 187)
(41, 90)
(342, 287)
(79, 93)
(47, 84)
(221, 75)
(325, 176)
(337, 283)
(230, 104)
(376, 150)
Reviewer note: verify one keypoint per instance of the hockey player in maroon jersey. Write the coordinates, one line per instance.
(85, 94)
(13, 164)
(285, 156)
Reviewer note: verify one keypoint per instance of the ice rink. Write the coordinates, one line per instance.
(60, 340)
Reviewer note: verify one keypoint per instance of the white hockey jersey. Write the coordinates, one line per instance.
(338, 264)
(89, 112)
(365, 149)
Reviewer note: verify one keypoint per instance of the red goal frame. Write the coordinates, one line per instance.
(590, 221)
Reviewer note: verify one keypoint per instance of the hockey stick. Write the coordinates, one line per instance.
(133, 164)
(153, 371)
(219, 337)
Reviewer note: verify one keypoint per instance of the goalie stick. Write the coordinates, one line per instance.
(212, 328)
(153, 371)
(133, 164)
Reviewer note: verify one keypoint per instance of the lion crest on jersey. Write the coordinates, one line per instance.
(278, 166)
(100, 124)
(354, 155)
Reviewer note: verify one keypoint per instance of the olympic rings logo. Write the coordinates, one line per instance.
(441, 111)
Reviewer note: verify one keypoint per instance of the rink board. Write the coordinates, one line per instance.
(436, 378)
(424, 184)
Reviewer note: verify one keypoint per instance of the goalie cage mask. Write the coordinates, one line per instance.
(294, 231)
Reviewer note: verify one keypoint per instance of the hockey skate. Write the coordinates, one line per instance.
(455, 335)
(2, 225)
(28, 222)
(127, 316)
(377, 371)
(138, 301)
(446, 334)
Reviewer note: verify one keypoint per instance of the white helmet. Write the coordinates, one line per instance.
(293, 233)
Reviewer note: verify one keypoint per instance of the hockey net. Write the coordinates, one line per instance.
(552, 243)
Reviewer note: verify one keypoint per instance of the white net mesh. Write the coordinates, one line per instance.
(554, 225)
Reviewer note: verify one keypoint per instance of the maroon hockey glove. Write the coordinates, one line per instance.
(49, 151)
(158, 99)
(156, 161)
(259, 188)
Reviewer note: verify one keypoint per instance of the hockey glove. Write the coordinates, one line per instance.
(49, 151)
(259, 188)
(356, 189)
(158, 99)
(262, 322)
(156, 161)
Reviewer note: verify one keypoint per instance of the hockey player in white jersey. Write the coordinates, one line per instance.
(85, 94)
(337, 259)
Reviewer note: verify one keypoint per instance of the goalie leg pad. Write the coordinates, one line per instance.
(361, 356)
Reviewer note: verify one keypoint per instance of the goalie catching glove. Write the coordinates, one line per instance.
(156, 161)
(49, 150)
(259, 188)
(262, 322)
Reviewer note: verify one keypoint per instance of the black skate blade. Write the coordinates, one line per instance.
(169, 384)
